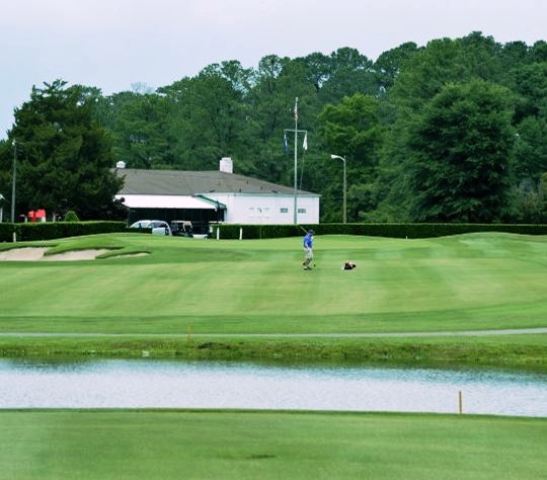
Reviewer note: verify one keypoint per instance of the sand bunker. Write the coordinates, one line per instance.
(32, 254)
(76, 255)
(128, 255)
(23, 254)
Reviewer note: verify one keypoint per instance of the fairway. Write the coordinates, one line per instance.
(464, 282)
(266, 445)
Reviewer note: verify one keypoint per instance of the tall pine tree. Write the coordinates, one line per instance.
(65, 157)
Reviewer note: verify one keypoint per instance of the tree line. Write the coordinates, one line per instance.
(454, 131)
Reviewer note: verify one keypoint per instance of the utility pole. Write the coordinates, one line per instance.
(345, 187)
(13, 183)
(295, 161)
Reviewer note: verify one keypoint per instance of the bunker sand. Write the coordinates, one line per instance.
(38, 254)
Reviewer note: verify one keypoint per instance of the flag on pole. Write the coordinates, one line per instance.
(305, 144)
(296, 109)
(285, 143)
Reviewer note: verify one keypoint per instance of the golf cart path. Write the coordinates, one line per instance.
(454, 333)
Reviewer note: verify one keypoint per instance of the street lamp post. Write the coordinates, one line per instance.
(2, 199)
(344, 211)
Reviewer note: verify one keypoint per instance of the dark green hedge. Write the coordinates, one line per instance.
(392, 230)
(50, 230)
(6, 232)
(46, 231)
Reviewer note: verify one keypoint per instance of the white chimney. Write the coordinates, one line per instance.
(226, 165)
(120, 164)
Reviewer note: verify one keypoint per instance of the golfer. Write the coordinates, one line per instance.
(308, 250)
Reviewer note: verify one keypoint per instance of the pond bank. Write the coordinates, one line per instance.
(524, 352)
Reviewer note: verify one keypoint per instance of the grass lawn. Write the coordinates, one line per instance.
(249, 445)
(464, 282)
(522, 352)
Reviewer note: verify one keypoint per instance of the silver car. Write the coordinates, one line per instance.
(159, 227)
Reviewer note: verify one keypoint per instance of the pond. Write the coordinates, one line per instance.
(172, 384)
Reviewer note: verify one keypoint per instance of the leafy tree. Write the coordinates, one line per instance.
(529, 160)
(353, 130)
(270, 105)
(6, 153)
(207, 115)
(389, 63)
(514, 55)
(138, 123)
(530, 83)
(380, 116)
(352, 72)
(543, 197)
(319, 69)
(444, 61)
(460, 149)
(538, 51)
(271, 110)
(530, 153)
(424, 74)
(65, 156)
(393, 182)
(529, 202)
(239, 78)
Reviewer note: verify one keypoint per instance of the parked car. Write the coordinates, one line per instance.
(159, 227)
(182, 228)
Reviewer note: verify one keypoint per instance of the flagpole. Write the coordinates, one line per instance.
(304, 146)
(295, 159)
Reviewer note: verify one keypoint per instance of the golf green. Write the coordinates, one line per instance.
(466, 282)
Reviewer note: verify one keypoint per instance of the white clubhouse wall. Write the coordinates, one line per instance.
(244, 208)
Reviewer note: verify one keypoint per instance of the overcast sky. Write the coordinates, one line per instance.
(112, 44)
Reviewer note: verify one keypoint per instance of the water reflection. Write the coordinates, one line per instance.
(162, 384)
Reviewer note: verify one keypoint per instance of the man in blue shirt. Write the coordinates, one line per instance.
(308, 250)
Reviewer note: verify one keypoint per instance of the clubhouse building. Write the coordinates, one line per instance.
(204, 197)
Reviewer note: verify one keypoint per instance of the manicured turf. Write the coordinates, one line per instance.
(248, 445)
(189, 287)
(464, 282)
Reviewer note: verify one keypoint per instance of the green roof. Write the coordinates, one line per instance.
(180, 182)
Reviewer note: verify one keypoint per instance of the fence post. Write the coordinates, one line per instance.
(241, 233)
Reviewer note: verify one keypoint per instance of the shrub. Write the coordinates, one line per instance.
(6, 232)
(71, 216)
